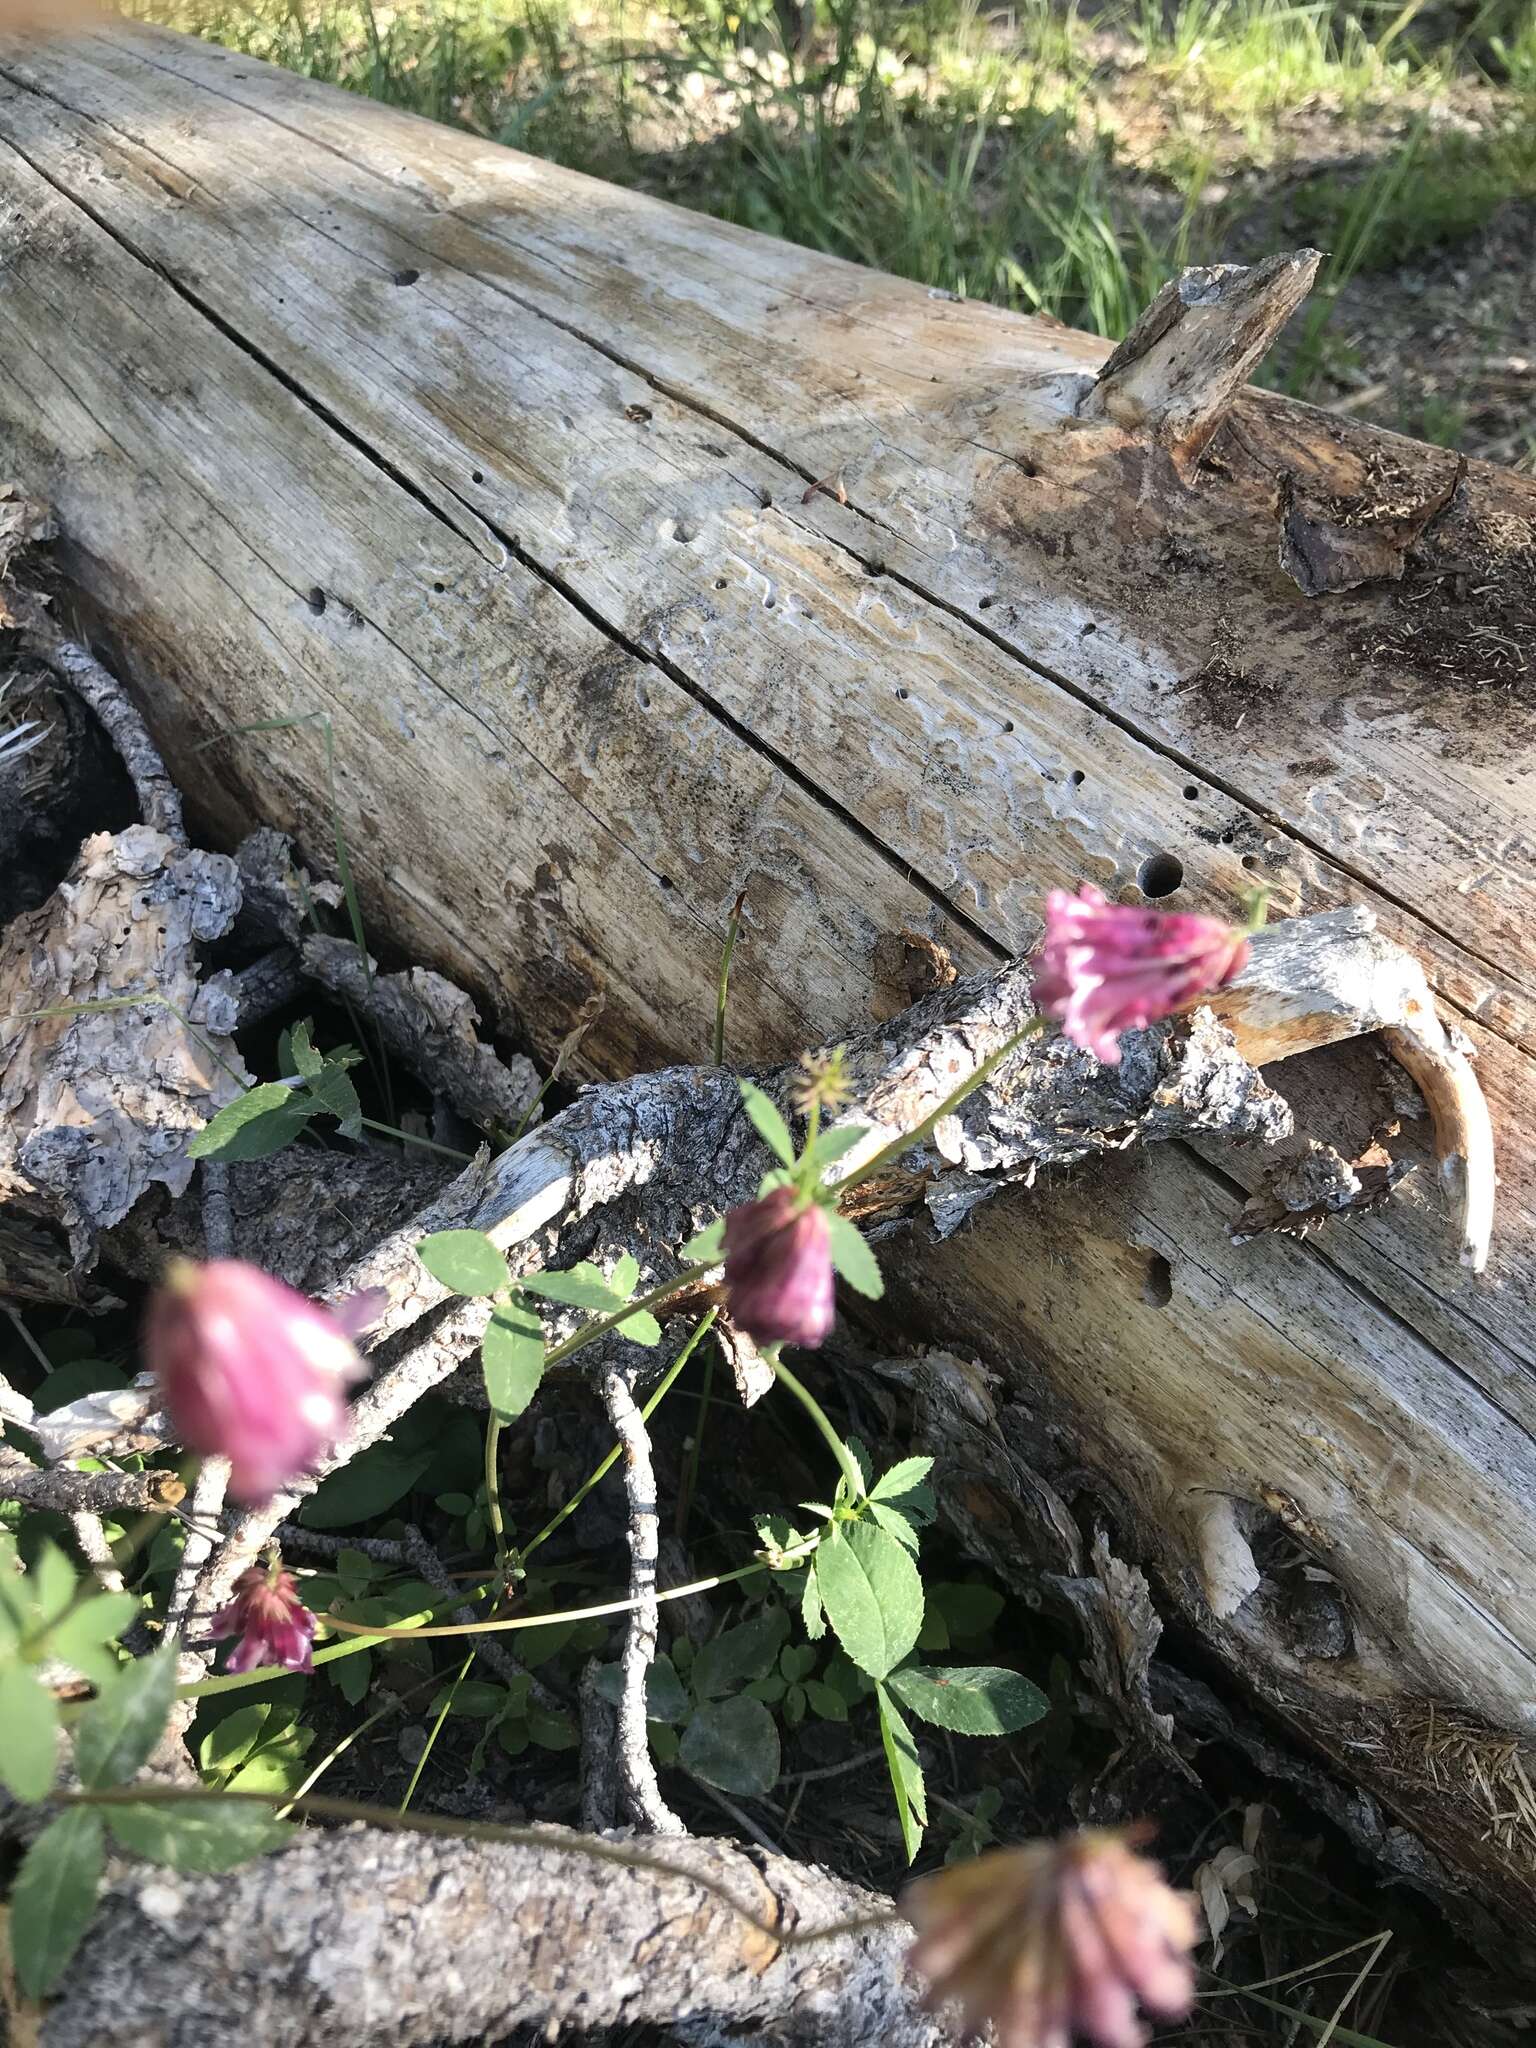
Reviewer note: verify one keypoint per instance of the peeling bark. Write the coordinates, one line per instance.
(100, 1102)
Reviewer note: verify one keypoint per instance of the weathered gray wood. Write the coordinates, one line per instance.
(505, 472)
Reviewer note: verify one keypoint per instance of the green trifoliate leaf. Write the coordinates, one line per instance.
(977, 1700)
(577, 1287)
(465, 1260)
(733, 1745)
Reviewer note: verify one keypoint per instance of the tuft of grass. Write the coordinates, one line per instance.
(1046, 162)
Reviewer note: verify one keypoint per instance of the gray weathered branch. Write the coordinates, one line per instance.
(431, 1025)
(365, 1939)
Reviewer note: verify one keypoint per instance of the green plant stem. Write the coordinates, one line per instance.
(722, 985)
(889, 1154)
(338, 1749)
(596, 1478)
(493, 1491)
(361, 1636)
(547, 1841)
(818, 1415)
(409, 1138)
(442, 1714)
(590, 1332)
(690, 1483)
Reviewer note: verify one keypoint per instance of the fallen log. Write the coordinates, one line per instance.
(375, 1940)
(504, 474)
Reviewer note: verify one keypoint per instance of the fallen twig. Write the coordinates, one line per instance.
(427, 1022)
(71, 1492)
(159, 799)
(422, 1558)
(637, 1771)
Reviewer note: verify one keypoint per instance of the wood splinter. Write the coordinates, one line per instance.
(1181, 366)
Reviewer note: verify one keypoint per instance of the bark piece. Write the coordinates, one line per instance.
(427, 1022)
(1303, 1192)
(100, 1103)
(1344, 542)
(1177, 372)
(372, 1940)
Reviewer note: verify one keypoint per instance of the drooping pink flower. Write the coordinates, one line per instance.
(778, 1270)
(1107, 967)
(250, 1370)
(1056, 1939)
(270, 1620)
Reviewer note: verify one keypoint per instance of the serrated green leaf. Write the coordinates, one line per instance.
(976, 1700)
(831, 1145)
(903, 1478)
(54, 1897)
(512, 1359)
(852, 1257)
(254, 1126)
(901, 1760)
(812, 1614)
(707, 1246)
(769, 1123)
(118, 1730)
(464, 1260)
(356, 1571)
(732, 1744)
(29, 1744)
(201, 1835)
(625, 1275)
(277, 1766)
(895, 1523)
(579, 1286)
(858, 1450)
(872, 1594)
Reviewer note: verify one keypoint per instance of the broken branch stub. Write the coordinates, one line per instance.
(1184, 362)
